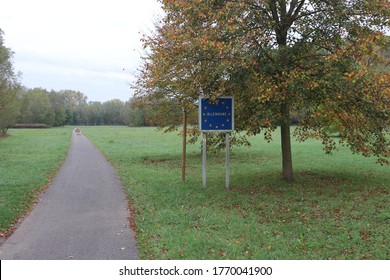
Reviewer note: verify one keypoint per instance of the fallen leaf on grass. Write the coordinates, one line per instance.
(222, 253)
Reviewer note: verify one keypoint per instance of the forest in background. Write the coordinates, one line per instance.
(69, 107)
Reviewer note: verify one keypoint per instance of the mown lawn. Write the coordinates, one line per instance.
(337, 208)
(28, 160)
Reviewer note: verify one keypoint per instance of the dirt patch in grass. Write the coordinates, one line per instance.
(156, 161)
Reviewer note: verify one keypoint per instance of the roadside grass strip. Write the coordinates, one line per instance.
(29, 160)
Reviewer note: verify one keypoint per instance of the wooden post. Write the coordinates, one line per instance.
(286, 143)
(184, 155)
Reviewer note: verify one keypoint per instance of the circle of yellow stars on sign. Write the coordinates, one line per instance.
(223, 124)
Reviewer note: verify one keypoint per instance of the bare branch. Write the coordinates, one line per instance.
(274, 10)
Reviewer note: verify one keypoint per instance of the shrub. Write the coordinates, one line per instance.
(31, 125)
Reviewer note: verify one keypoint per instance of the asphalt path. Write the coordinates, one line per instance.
(83, 215)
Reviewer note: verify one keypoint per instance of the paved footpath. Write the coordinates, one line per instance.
(83, 215)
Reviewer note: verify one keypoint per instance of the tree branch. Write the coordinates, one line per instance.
(263, 51)
(293, 4)
(298, 9)
(274, 11)
(283, 8)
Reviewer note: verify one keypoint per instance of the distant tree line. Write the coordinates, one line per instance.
(69, 107)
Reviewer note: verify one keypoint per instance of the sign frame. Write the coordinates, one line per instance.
(214, 120)
(205, 116)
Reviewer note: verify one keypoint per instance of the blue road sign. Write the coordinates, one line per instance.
(217, 115)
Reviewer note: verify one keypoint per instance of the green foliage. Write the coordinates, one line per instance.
(30, 125)
(36, 107)
(59, 108)
(113, 111)
(169, 113)
(9, 109)
(68, 107)
(9, 86)
(51, 108)
(137, 116)
(216, 142)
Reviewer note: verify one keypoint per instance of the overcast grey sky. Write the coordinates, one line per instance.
(88, 45)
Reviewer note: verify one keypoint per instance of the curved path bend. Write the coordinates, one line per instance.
(83, 215)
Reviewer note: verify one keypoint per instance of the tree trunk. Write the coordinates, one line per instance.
(286, 143)
(184, 155)
(284, 20)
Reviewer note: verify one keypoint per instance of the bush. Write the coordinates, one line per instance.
(31, 125)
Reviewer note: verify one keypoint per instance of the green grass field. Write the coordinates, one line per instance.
(28, 159)
(337, 208)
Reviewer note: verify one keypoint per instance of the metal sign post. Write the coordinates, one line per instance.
(227, 160)
(216, 116)
(204, 152)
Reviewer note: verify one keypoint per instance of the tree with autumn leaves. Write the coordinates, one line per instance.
(9, 86)
(321, 59)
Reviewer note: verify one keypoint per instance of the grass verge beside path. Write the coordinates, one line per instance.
(337, 208)
(29, 159)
